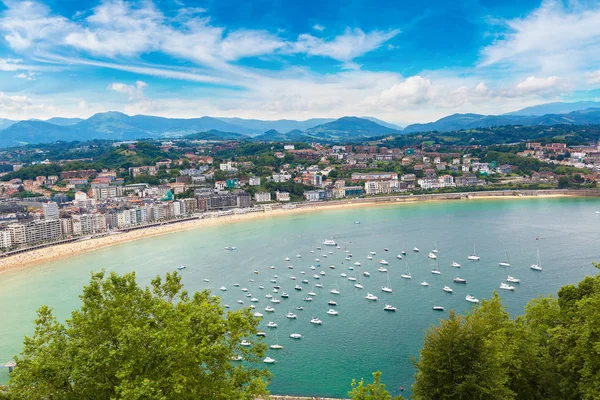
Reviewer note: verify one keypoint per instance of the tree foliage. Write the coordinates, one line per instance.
(370, 391)
(129, 342)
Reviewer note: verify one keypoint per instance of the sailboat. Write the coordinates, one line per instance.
(538, 264)
(474, 256)
(276, 346)
(406, 275)
(435, 249)
(505, 263)
(388, 287)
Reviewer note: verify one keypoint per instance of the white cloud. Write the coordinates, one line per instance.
(552, 39)
(593, 77)
(534, 85)
(319, 28)
(29, 76)
(133, 92)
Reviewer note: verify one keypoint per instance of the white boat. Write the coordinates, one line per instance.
(381, 269)
(372, 253)
(370, 296)
(357, 222)
(358, 286)
(269, 360)
(298, 287)
(240, 302)
(512, 279)
(432, 256)
(332, 312)
(322, 273)
(351, 278)
(293, 278)
(317, 259)
(319, 285)
(436, 271)
(243, 289)
(459, 280)
(424, 283)
(308, 299)
(334, 291)
(236, 285)
(206, 280)
(287, 259)
(369, 257)
(299, 308)
(313, 267)
(329, 242)
(298, 256)
(455, 264)
(181, 267)
(332, 266)
(245, 343)
(256, 272)
(471, 299)
(271, 324)
(236, 358)
(538, 265)
(343, 275)
(258, 315)
(315, 276)
(388, 307)
(406, 274)
(296, 336)
(447, 289)
(311, 293)
(223, 288)
(272, 267)
(261, 287)
(357, 263)
(269, 309)
(276, 346)
(227, 306)
(332, 303)
(316, 321)
(398, 256)
(277, 301)
(269, 296)
(597, 212)
(261, 334)
(438, 308)
(403, 252)
(416, 249)
(505, 286)
(383, 262)
(474, 256)
(506, 262)
(388, 287)
(366, 273)
(351, 268)
(291, 315)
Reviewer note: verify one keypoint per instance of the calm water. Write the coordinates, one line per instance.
(362, 338)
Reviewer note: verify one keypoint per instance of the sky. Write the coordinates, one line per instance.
(400, 61)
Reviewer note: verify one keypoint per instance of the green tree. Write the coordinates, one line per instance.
(129, 342)
(371, 391)
(563, 182)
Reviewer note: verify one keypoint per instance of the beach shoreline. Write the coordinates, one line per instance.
(58, 251)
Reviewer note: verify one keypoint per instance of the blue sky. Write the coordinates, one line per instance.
(401, 61)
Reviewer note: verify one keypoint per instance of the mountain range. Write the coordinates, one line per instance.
(118, 126)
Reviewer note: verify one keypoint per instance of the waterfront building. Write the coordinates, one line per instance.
(5, 239)
(50, 210)
(34, 232)
(373, 176)
(378, 187)
(282, 196)
(262, 197)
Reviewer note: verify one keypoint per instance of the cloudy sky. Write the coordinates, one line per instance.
(401, 61)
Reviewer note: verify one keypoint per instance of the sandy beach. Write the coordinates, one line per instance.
(77, 247)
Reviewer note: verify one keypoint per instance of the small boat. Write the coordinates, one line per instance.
(236, 358)
(318, 247)
(538, 265)
(269, 296)
(398, 256)
(416, 249)
(372, 253)
(296, 336)
(343, 275)
(269, 360)
(308, 299)
(311, 293)
(272, 267)
(459, 280)
(381, 269)
(438, 308)
(388, 307)
(276, 287)
(276, 347)
(383, 262)
(256, 272)
(356, 222)
(447, 289)
(293, 278)
(505, 286)
(245, 343)
(332, 303)
(304, 280)
(181, 267)
(206, 280)
(240, 302)
(332, 266)
(243, 289)
(316, 321)
(299, 308)
(319, 285)
(236, 285)
(403, 252)
(287, 259)
(277, 301)
(370, 296)
(367, 274)
(406, 274)
(261, 334)
(474, 256)
(322, 273)
(261, 287)
(387, 288)
(291, 315)
(471, 299)
(223, 288)
(424, 283)
(328, 242)
(597, 212)
(357, 263)
(298, 287)
(273, 280)
(298, 256)
(506, 262)
(271, 324)
(269, 309)
(250, 280)
(455, 264)
(432, 256)
(230, 248)
(254, 300)
(512, 279)
(248, 295)
(332, 312)
(351, 278)
(369, 257)
(290, 267)
(358, 286)
(334, 291)
(315, 276)
(386, 249)
(317, 259)
(258, 315)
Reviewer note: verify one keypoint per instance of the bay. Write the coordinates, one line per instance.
(362, 338)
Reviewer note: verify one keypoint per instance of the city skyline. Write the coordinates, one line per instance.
(403, 63)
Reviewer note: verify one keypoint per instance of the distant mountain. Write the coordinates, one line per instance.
(216, 135)
(556, 108)
(272, 136)
(471, 121)
(349, 129)
(5, 123)
(25, 132)
(283, 125)
(383, 123)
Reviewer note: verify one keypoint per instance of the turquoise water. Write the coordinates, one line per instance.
(362, 338)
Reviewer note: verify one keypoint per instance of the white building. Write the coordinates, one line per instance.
(5, 239)
(227, 167)
(288, 147)
(50, 210)
(262, 197)
(378, 187)
(282, 196)
(254, 181)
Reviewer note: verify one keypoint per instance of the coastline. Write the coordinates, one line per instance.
(36, 256)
